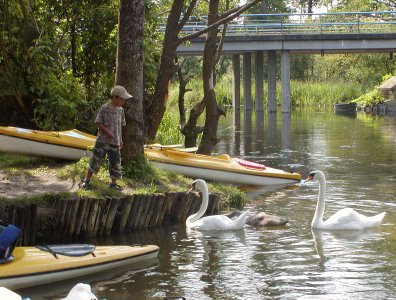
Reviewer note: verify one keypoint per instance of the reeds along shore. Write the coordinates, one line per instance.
(86, 217)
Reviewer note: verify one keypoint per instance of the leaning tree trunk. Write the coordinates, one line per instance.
(156, 104)
(129, 73)
(213, 112)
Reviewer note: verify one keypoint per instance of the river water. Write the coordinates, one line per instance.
(358, 156)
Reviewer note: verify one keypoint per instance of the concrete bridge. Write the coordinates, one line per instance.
(270, 35)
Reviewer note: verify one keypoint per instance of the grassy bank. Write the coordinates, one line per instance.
(52, 176)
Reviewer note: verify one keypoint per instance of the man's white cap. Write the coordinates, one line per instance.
(121, 92)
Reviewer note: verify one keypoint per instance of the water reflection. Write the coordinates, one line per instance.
(217, 235)
(272, 119)
(259, 128)
(349, 114)
(350, 254)
(236, 133)
(112, 282)
(339, 238)
(247, 134)
(286, 131)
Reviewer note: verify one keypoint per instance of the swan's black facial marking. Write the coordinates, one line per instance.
(310, 177)
(193, 187)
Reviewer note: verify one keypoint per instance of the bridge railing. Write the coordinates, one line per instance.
(314, 23)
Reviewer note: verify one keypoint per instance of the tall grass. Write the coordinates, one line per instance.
(169, 130)
(311, 94)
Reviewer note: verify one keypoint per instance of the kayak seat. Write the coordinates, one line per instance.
(74, 250)
(9, 237)
(250, 164)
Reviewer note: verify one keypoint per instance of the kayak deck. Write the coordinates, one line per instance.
(32, 266)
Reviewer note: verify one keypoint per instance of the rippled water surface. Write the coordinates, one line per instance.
(358, 156)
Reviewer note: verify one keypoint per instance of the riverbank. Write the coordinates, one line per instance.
(23, 177)
(42, 197)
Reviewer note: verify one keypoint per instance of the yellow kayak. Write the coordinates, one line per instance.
(220, 168)
(32, 266)
(73, 144)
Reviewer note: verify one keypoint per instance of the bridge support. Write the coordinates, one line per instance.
(236, 81)
(247, 80)
(271, 100)
(285, 81)
(259, 88)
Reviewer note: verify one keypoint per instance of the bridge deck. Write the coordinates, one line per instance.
(303, 33)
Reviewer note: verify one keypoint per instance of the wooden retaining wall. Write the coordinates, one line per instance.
(87, 217)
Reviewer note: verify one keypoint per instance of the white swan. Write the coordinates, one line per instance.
(345, 218)
(218, 222)
(81, 291)
(8, 294)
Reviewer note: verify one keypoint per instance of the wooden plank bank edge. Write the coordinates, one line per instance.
(87, 217)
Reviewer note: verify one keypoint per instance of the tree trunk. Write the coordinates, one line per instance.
(190, 130)
(209, 137)
(156, 104)
(129, 73)
(310, 6)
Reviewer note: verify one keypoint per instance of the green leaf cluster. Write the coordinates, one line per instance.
(371, 98)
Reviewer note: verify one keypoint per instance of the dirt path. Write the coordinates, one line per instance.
(12, 186)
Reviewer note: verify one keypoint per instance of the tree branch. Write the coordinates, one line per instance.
(220, 22)
(186, 15)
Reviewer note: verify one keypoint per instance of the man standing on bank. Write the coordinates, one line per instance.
(109, 121)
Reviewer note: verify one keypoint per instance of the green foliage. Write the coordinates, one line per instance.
(141, 170)
(97, 95)
(223, 88)
(169, 132)
(232, 196)
(58, 106)
(373, 97)
(152, 45)
(322, 94)
(365, 69)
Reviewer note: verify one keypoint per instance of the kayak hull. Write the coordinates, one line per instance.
(220, 168)
(225, 176)
(33, 267)
(70, 144)
(17, 145)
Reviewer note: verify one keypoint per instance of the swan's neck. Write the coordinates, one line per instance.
(320, 206)
(202, 209)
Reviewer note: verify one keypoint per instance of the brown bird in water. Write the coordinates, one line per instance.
(260, 219)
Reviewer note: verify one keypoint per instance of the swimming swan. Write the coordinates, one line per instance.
(81, 291)
(218, 222)
(345, 218)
